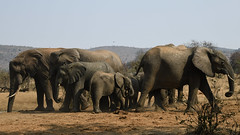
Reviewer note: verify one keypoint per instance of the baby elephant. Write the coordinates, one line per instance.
(115, 85)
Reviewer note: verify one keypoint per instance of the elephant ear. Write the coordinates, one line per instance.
(202, 61)
(76, 74)
(119, 79)
(42, 66)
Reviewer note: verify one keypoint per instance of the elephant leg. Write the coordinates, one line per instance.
(76, 103)
(113, 101)
(128, 103)
(150, 95)
(40, 97)
(147, 86)
(171, 96)
(104, 103)
(193, 89)
(48, 95)
(134, 101)
(122, 100)
(95, 99)
(180, 94)
(78, 89)
(67, 100)
(84, 102)
(160, 97)
(206, 90)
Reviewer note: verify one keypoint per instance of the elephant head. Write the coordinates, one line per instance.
(27, 63)
(212, 61)
(124, 84)
(67, 75)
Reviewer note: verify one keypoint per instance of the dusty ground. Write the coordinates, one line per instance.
(26, 121)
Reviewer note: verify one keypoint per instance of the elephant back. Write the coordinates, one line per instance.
(93, 67)
(101, 56)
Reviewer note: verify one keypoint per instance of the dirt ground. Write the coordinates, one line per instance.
(23, 120)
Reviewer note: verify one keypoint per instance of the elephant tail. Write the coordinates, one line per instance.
(139, 67)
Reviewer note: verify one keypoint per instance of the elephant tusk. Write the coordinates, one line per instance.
(14, 94)
(230, 77)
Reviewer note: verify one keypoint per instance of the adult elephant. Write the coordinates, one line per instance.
(34, 63)
(75, 78)
(67, 56)
(168, 67)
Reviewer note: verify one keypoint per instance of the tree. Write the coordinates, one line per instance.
(133, 65)
(235, 62)
(207, 44)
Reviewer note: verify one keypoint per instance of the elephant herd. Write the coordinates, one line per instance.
(101, 74)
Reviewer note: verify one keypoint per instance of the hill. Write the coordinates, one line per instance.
(8, 52)
(127, 54)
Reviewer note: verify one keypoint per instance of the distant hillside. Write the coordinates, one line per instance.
(127, 54)
(8, 52)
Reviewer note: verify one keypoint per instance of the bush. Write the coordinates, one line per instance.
(4, 78)
(235, 62)
(207, 44)
(133, 65)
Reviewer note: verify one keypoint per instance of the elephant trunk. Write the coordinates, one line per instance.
(230, 75)
(58, 81)
(14, 87)
(123, 92)
(131, 91)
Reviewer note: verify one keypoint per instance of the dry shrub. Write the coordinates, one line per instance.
(209, 122)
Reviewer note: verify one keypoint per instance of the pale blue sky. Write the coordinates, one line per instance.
(136, 23)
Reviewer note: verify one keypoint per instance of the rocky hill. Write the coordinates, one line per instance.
(127, 54)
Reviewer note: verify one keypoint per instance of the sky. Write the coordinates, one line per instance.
(135, 23)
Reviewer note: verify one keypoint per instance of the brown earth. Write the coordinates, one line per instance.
(23, 120)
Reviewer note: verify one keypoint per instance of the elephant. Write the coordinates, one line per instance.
(115, 85)
(168, 67)
(67, 56)
(131, 101)
(33, 63)
(75, 78)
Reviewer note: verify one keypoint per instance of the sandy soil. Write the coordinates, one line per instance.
(23, 120)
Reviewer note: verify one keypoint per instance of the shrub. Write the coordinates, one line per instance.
(235, 62)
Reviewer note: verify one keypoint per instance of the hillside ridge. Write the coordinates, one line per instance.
(127, 54)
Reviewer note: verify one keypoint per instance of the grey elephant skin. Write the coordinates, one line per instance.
(168, 67)
(75, 77)
(67, 56)
(131, 101)
(34, 63)
(115, 85)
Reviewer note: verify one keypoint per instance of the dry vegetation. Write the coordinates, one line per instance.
(25, 121)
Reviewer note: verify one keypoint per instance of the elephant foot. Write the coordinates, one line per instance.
(39, 108)
(50, 109)
(97, 111)
(180, 101)
(76, 110)
(64, 109)
(160, 108)
(140, 109)
(85, 106)
(189, 109)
